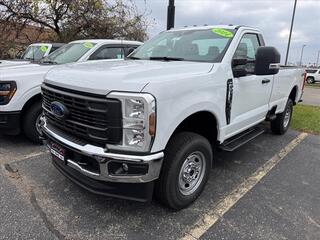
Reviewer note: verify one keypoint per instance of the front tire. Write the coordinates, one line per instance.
(185, 170)
(281, 124)
(30, 123)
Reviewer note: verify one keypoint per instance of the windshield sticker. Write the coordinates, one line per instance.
(43, 48)
(222, 32)
(88, 45)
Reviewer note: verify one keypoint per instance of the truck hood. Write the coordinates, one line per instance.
(101, 77)
(27, 71)
(18, 62)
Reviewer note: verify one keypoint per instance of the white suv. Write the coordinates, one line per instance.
(313, 75)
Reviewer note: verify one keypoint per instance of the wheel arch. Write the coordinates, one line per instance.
(204, 123)
(294, 94)
(29, 103)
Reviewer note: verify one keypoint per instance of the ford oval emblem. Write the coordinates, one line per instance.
(59, 110)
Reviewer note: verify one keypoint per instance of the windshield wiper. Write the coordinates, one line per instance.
(167, 58)
(48, 62)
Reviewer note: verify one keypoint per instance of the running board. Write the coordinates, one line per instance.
(240, 139)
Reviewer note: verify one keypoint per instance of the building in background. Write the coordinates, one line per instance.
(14, 37)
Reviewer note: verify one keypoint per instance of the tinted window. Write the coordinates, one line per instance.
(108, 53)
(53, 49)
(311, 71)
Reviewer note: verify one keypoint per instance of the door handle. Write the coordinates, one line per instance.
(265, 81)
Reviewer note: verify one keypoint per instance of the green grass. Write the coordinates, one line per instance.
(306, 118)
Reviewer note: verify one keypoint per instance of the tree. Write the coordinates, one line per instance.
(74, 19)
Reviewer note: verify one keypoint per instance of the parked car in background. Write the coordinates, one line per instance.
(33, 53)
(313, 75)
(20, 93)
(148, 126)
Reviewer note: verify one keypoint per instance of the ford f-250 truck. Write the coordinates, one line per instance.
(34, 52)
(20, 93)
(148, 126)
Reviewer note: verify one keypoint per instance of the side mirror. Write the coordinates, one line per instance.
(238, 67)
(267, 61)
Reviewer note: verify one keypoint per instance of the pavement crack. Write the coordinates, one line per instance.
(44, 217)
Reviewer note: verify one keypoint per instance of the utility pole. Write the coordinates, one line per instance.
(303, 46)
(318, 59)
(290, 34)
(171, 15)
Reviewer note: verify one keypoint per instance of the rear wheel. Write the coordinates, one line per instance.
(281, 124)
(185, 170)
(310, 80)
(31, 122)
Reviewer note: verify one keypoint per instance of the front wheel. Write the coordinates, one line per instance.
(185, 170)
(31, 122)
(281, 124)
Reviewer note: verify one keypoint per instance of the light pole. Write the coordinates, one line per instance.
(303, 46)
(290, 34)
(171, 15)
(318, 59)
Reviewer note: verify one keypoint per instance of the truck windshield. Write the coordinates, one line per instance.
(69, 53)
(207, 45)
(35, 52)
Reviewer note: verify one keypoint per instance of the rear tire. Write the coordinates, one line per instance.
(310, 80)
(185, 170)
(281, 124)
(30, 122)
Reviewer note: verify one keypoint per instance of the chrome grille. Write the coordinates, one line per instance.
(92, 118)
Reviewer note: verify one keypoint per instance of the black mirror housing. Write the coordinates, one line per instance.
(266, 56)
(239, 62)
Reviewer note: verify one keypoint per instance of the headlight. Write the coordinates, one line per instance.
(7, 90)
(139, 120)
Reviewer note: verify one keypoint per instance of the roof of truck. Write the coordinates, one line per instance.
(53, 44)
(110, 41)
(230, 26)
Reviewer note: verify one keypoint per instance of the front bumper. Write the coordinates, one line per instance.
(103, 158)
(10, 123)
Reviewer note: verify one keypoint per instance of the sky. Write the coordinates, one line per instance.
(272, 17)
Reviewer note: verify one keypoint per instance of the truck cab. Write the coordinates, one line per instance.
(149, 125)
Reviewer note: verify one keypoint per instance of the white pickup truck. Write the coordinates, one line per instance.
(313, 75)
(20, 92)
(148, 126)
(34, 52)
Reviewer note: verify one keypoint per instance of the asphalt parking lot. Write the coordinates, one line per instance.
(267, 189)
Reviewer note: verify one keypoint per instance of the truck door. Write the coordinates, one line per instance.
(251, 93)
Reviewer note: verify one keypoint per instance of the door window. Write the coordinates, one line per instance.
(247, 49)
(108, 53)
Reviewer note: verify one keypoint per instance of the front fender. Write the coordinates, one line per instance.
(175, 105)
